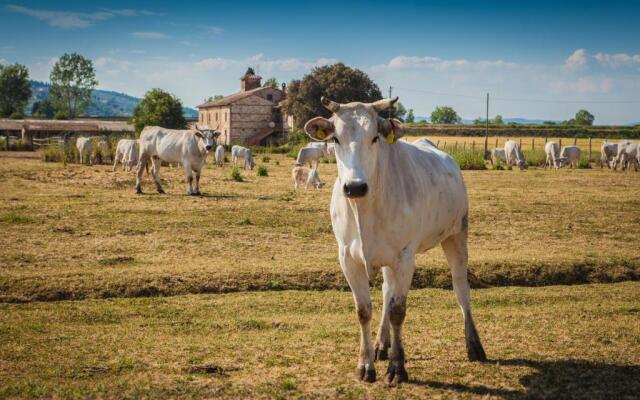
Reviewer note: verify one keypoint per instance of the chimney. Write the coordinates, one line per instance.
(250, 82)
(284, 90)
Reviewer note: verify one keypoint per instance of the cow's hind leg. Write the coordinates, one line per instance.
(398, 278)
(455, 249)
(197, 189)
(142, 164)
(189, 176)
(155, 170)
(359, 283)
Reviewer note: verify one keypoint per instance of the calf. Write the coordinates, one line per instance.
(498, 155)
(244, 153)
(569, 155)
(311, 156)
(391, 200)
(126, 153)
(189, 147)
(552, 151)
(608, 151)
(219, 155)
(307, 176)
(85, 149)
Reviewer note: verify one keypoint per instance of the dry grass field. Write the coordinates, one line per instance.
(152, 320)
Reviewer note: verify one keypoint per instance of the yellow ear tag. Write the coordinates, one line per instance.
(391, 138)
(320, 134)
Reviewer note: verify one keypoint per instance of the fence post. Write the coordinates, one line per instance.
(464, 146)
(533, 144)
(521, 143)
(444, 146)
(438, 144)
(575, 141)
(589, 148)
(545, 140)
(473, 145)
(560, 143)
(496, 142)
(455, 146)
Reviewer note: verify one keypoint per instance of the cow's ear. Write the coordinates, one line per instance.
(199, 134)
(392, 129)
(319, 128)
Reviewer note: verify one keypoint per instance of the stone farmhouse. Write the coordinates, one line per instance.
(253, 116)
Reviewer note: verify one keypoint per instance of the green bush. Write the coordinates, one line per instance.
(584, 162)
(236, 175)
(468, 159)
(497, 166)
(535, 158)
(56, 153)
(266, 159)
(262, 171)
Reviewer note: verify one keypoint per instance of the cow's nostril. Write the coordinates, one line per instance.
(355, 189)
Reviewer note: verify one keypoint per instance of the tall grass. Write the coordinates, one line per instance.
(467, 159)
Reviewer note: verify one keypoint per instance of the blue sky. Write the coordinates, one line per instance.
(539, 60)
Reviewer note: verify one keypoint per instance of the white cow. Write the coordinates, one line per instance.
(569, 155)
(244, 153)
(608, 151)
(311, 156)
(425, 141)
(552, 151)
(328, 148)
(126, 153)
(497, 155)
(628, 154)
(391, 200)
(514, 156)
(307, 176)
(219, 155)
(189, 147)
(85, 149)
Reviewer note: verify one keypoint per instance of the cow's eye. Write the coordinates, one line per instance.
(375, 139)
(335, 139)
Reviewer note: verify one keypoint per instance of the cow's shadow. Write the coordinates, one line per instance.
(559, 380)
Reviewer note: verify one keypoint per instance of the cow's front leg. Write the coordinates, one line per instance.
(358, 280)
(156, 173)
(383, 339)
(189, 176)
(398, 279)
(197, 189)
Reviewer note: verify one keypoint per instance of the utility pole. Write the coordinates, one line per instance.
(389, 111)
(486, 134)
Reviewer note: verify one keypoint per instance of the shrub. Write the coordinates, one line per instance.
(266, 159)
(236, 175)
(535, 158)
(468, 159)
(497, 166)
(584, 162)
(277, 162)
(262, 171)
(55, 153)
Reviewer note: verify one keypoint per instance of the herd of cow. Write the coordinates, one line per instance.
(624, 154)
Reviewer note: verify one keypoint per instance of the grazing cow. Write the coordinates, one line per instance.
(608, 151)
(552, 151)
(244, 153)
(311, 156)
(569, 155)
(85, 149)
(307, 176)
(514, 156)
(126, 153)
(628, 154)
(391, 200)
(219, 155)
(189, 147)
(497, 155)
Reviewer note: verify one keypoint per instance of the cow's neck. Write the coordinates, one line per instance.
(201, 147)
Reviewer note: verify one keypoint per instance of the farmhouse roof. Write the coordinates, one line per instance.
(232, 98)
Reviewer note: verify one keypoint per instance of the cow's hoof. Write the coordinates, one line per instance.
(382, 353)
(396, 374)
(475, 352)
(138, 190)
(366, 374)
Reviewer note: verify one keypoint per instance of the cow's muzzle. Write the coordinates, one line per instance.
(208, 148)
(355, 189)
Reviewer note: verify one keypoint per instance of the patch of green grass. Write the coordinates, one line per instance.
(262, 171)
(236, 175)
(467, 159)
(266, 159)
(16, 219)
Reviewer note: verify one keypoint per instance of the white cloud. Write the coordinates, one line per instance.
(75, 20)
(149, 35)
(213, 30)
(583, 85)
(128, 12)
(576, 60)
(617, 60)
(4, 62)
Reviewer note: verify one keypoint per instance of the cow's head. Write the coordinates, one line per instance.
(359, 133)
(209, 136)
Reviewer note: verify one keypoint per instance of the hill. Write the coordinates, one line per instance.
(104, 103)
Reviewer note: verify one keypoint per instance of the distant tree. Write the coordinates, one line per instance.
(73, 78)
(445, 115)
(583, 117)
(218, 97)
(213, 98)
(158, 108)
(410, 118)
(15, 90)
(549, 123)
(398, 111)
(479, 121)
(250, 71)
(338, 82)
(271, 82)
(42, 109)
(498, 120)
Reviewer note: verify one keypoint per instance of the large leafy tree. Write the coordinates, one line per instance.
(271, 82)
(583, 117)
(73, 78)
(15, 90)
(445, 115)
(410, 118)
(338, 82)
(42, 108)
(158, 108)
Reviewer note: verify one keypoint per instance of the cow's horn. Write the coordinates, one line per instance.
(330, 105)
(384, 104)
